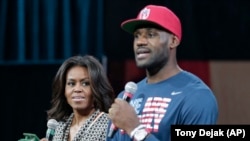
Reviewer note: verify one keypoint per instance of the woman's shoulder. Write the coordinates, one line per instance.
(103, 115)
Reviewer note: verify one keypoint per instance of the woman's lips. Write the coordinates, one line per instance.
(78, 98)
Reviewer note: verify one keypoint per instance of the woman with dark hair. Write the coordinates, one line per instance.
(81, 97)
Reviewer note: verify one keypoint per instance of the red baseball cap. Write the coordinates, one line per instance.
(156, 16)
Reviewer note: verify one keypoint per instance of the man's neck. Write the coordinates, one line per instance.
(163, 74)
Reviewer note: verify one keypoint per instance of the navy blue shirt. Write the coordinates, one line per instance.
(180, 99)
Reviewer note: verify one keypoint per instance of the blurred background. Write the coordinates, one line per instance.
(36, 36)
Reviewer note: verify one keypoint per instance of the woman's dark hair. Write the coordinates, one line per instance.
(101, 88)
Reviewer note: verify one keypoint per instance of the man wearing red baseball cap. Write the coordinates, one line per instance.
(168, 95)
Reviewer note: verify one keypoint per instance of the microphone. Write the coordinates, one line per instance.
(52, 124)
(130, 89)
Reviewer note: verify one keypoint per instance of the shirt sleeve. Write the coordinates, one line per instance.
(200, 108)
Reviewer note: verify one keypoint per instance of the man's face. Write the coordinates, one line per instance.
(151, 47)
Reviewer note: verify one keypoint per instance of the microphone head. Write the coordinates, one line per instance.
(131, 87)
(52, 124)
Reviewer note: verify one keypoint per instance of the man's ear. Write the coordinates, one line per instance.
(174, 41)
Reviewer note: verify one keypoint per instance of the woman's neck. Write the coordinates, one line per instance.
(80, 117)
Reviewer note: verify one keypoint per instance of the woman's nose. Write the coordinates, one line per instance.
(78, 88)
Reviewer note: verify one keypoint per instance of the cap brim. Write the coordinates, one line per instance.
(131, 25)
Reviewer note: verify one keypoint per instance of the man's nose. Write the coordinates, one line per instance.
(141, 41)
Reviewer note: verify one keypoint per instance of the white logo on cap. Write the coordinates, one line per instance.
(144, 13)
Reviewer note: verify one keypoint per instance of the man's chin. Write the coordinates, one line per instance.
(141, 65)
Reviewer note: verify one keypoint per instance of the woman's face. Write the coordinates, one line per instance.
(77, 89)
